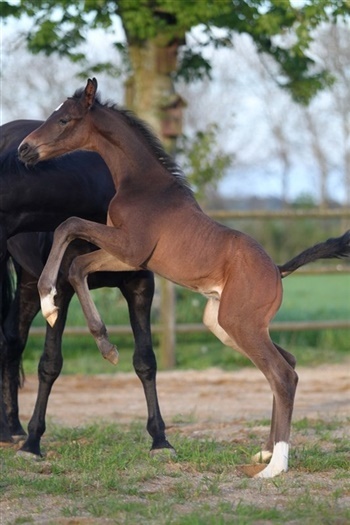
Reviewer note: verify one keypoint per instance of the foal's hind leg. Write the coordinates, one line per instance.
(265, 454)
(107, 237)
(246, 323)
(79, 270)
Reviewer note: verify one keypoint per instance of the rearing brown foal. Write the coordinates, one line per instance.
(154, 222)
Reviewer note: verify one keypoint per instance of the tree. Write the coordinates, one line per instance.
(155, 40)
(203, 160)
(330, 137)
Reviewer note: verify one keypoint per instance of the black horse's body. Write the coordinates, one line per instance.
(36, 200)
(39, 198)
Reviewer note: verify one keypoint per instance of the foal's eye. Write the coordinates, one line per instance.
(63, 121)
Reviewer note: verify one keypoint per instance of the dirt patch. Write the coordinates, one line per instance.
(205, 404)
(210, 401)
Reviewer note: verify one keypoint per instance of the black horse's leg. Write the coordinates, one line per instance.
(24, 307)
(5, 302)
(5, 434)
(50, 366)
(138, 290)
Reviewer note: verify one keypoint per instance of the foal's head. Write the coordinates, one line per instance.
(64, 131)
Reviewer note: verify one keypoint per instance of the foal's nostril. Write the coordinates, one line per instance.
(23, 149)
(27, 153)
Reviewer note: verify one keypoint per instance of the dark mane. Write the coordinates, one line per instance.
(148, 137)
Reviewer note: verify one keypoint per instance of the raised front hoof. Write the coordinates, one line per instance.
(263, 456)
(111, 354)
(52, 317)
(48, 307)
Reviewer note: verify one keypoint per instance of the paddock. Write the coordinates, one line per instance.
(210, 403)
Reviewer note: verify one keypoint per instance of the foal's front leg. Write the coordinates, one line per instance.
(72, 228)
(81, 267)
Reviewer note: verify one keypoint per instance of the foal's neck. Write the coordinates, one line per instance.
(124, 150)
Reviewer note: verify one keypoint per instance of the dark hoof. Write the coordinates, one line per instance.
(29, 455)
(31, 447)
(163, 454)
(17, 438)
(6, 438)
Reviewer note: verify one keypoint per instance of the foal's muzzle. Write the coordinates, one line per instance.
(27, 153)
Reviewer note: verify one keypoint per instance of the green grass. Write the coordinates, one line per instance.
(104, 471)
(317, 297)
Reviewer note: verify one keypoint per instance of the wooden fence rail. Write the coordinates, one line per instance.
(189, 328)
(168, 329)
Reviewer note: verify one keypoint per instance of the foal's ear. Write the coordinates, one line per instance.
(90, 92)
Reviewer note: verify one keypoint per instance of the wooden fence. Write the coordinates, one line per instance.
(168, 328)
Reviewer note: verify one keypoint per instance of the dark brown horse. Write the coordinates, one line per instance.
(154, 222)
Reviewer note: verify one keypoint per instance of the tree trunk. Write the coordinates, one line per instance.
(151, 95)
(150, 90)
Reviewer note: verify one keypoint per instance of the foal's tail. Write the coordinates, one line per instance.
(336, 248)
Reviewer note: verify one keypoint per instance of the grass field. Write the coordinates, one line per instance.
(317, 297)
(103, 474)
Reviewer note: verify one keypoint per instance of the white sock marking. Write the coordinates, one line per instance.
(48, 306)
(278, 463)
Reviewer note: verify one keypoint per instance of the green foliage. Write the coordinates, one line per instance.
(61, 25)
(202, 159)
(193, 67)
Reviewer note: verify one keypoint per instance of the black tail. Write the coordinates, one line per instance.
(336, 248)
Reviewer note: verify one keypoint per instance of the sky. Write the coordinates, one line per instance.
(234, 98)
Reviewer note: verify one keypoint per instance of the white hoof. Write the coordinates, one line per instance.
(113, 356)
(262, 457)
(278, 463)
(48, 307)
(52, 318)
(270, 472)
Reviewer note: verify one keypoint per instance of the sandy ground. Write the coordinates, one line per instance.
(211, 399)
(207, 404)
